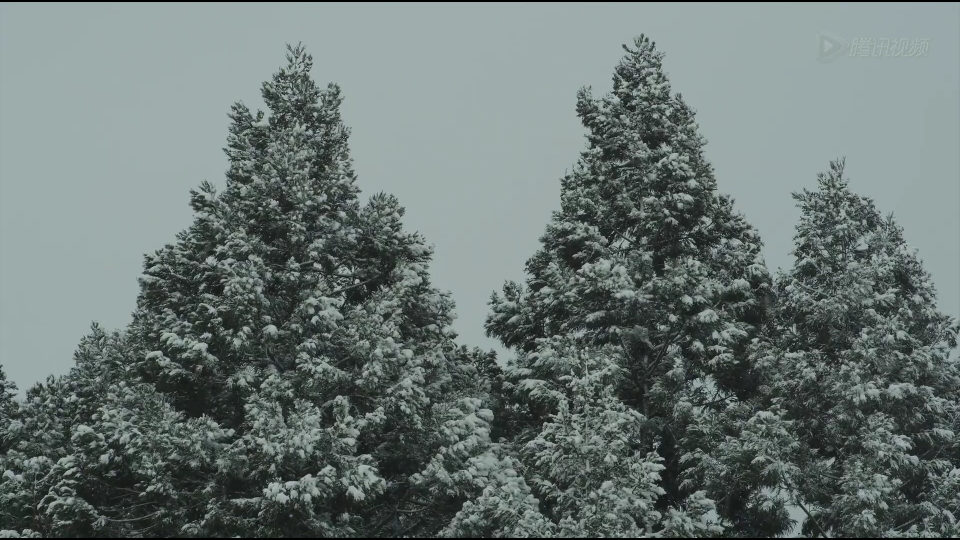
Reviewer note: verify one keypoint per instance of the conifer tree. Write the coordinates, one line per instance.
(12, 522)
(8, 408)
(303, 324)
(646, 257)
(859, 364)
(140, 467)
(590, 479)
(588, 460)
(55, 483)
(37, 439)
(69, 507)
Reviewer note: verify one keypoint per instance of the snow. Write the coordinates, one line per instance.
(368, 378)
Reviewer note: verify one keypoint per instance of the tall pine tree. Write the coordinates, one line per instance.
(646, 257)
(858, 362)
(304, 325)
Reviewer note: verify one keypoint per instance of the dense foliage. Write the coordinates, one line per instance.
(291, 371)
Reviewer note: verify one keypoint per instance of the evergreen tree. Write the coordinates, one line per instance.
(304, 326)
(147, 467)
(48, 488)
(140, 466)
(8, 408)
(858, 363)
(588, 460)
(37, 440)
(70, 504)
(583, 463)
(646, 257)
(11, 517)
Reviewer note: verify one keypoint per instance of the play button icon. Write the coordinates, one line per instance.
(830, 47)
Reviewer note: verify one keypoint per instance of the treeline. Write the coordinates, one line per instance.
(291, 371)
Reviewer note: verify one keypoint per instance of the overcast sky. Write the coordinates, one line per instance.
(111, 113)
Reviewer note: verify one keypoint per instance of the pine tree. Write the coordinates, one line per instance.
(644, 256)
(49, 489)
(8, 408)
(12, 514)
(38, 440)
(150, 465)
(304, 326)
(859, 364)
(583, 463)
(585, 458)
(132, 466)
(70, 503)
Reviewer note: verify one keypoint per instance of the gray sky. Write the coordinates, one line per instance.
(109, 114)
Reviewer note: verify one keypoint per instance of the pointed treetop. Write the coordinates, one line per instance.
(639, 77)
(833, 219)
(835, 175)
(260, 146)
(292, 92)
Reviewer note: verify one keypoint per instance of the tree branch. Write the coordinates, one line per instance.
(813, 520)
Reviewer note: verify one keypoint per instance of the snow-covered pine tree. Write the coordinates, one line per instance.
(38, 439)
(139, 468)
(67, 470)
(584, 463)
(645, 256)
(15, 519)
(43, 492)
(151, 467)
(8, 408)
(304, 324)
(858, 363)
(588, 460)
(72, 494)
